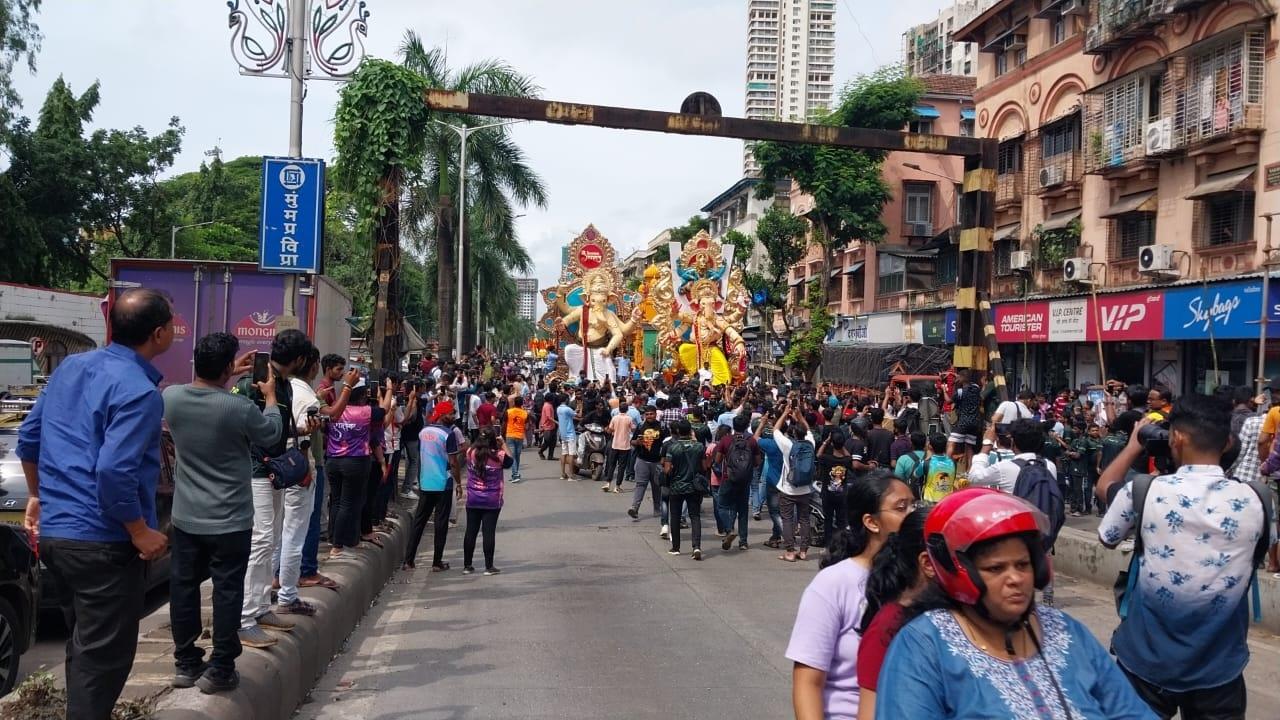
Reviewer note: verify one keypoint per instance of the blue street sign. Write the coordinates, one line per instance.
(292, 215)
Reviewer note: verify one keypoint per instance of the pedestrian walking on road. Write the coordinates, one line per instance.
(685, 463)
(516, 422)
(486, 463)
(438, 453)
(795, 488)
(647, 443)
(213, 430)
(90, 451)
(824, 642)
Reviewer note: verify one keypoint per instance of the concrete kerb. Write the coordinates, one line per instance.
(275, 681)
(1081, 555)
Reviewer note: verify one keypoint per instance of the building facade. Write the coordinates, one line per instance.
(527, 298)
(1134, 170)
(930, 48)
(791, 48)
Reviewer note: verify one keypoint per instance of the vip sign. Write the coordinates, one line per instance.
(1119, 318)
(1131, 316)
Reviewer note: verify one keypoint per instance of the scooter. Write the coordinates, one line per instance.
(595, 451)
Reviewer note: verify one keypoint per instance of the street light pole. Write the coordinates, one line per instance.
(1260, 381)
(173, 236)
(463, 133)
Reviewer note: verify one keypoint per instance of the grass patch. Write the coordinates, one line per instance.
(40, 698)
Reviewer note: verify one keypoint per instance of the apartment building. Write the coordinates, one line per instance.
(894, 290)
(930, 48)
(791, 47)
(1134, 167)
(527, 298)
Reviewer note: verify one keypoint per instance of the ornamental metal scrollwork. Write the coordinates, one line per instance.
(258, 46)
(344, 20)
(336, 33)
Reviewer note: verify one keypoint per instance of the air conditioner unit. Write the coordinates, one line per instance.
(1092, 37)
(918, 229)
(1159, 136)
(1076, 270)
(1015, 41)
(1019, 260)
(1052, 176)
(1074, 7)
(1155, 259)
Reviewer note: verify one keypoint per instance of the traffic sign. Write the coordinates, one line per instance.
(292, 223)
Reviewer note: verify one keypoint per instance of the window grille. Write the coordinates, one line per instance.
(1130, 232)
(1060, 137)
(1225, 219)
(1010, 157)
(1224, 88)
(947, 266)
(919, 204)
(892, 274)
(1004, 256)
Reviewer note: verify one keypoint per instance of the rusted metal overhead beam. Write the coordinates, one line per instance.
(632, 119)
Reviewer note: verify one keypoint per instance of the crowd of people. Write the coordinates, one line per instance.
(934, 530)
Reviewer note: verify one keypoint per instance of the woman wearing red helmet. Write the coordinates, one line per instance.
(993, 653)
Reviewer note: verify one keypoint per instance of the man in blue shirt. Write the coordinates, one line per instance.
(566, 417)
(770, 474)
(90, 450)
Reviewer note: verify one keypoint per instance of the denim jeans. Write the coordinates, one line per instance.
(834, 512)
(716, 511)
(735, 505)
(775, 511)
(310, 564)
(647, 477)
(412, 466)
(616, 466)
(429, 502)
(299, 506)
(267, 506)
(757, 490)
(101, 598)
(193, 558)
(795, 517)
(693, 502)
(517, 446)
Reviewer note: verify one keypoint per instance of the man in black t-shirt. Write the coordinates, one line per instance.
(879, 440)
(647, 442)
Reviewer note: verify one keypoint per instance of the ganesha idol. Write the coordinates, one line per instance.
(700, 303)
(586, 309)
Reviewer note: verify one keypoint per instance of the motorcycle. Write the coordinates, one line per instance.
(595, 451)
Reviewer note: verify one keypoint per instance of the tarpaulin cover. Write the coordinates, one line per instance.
(870, 364)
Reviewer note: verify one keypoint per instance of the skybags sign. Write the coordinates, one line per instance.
(1229, 311)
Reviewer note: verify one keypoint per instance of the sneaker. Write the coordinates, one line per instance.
(697, 554)
(673, 551)
(684, 525)
(453, 522)
(744, 546)
(492, 571)
(728, 541)
(214, 681)
(1075, 513)
(564, 477)
(297, 607)
(665, 532)
(756, 516)
(185, 677)
(633, 512)
(274, 622)
(256, 637)
(515, 479)
(468, 570)
(572, 479)
(606, 488)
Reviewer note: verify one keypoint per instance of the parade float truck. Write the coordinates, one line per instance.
(237, 298)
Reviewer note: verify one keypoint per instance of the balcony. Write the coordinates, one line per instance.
(1057, 174)
(1116, 23)
(1010, 188)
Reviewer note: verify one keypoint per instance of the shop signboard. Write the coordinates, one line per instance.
(885, 327)
(1229, 310)
(949, 329)
(1129, 316)
(1022, 322)
(934, 328)
(1069, 320)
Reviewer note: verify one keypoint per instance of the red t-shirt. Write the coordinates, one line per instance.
(875, 644)
(485, 414)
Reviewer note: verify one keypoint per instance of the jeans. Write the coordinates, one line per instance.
(693, 502)
(310, 564)
(735, 503)
(616, 465)
(647, 475)
(757, 490)
(1224, 702)
(299, 506)
(517, 446)
(387, 489)
(224, 558)
(834, 513)
(795, 515)
(412, 465)
(372, 494)
(347, 478)
(478, 519)
(101, 598)
(267, 508)
(717, 511)
(775, 510)
(429, 501)
(548, 446)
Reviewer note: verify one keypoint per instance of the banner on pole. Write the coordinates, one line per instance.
(292, 223)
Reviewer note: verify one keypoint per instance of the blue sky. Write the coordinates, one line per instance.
(158, 58)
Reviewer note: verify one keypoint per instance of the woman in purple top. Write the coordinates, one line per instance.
(487, 461)
(824, 639)
(348, 456)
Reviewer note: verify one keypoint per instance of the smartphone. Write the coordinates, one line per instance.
(261, 366)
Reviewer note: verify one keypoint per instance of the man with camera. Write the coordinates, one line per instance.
(1184, 617)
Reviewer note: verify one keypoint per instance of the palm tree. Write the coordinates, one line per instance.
(498, 179)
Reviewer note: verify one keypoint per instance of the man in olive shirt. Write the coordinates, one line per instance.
(213, 505)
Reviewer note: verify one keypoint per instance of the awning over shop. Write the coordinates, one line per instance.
(1142, 202)
(796, 282)
(854, 268)
(1060, 221)
(966, 113)
(927, 112)
(1231, 181)
(1008, 231)
(835, 272)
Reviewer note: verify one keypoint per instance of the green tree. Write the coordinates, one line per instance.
(848, 190)
(19, 42)
(743, 246)
(498, 180)
(781, 234)
(227, 194)
(805, 353)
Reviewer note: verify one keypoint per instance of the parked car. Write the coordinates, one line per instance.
(13, 490)
(19, 601)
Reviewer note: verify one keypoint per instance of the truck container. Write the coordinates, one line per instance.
(233, 297)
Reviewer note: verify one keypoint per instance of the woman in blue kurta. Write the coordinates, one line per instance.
(994, 653)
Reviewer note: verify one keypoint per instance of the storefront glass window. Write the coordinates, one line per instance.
(1126, 361)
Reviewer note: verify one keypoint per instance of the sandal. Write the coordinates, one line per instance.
(440, 568)
(318, 581)
(803, 555)
(335, 553)
(787, 557)
(773, 543)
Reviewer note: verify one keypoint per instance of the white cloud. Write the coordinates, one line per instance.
(159, 58)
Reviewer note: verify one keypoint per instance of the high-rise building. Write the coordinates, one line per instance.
(791, 48)
(527, 298)
(928, 49)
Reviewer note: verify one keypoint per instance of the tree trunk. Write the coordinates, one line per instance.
(445, 277)
(384, 341)
(468, 296)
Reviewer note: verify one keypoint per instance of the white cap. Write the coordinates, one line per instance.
(360, 383)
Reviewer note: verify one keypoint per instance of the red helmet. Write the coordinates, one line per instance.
(968, 517)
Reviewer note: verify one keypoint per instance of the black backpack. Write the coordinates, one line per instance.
(1038, 486)
(740, 461)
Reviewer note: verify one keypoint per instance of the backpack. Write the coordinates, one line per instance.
(1037, 485)
(739, 462)
(910, 418)
(802, 465)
